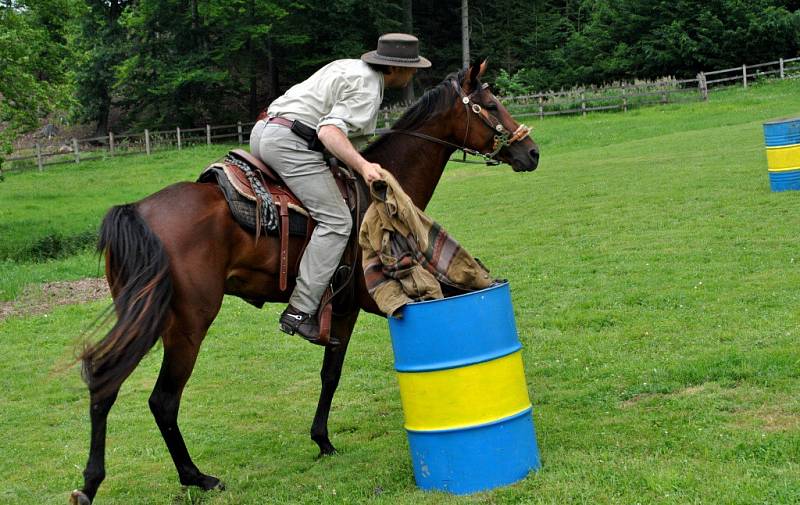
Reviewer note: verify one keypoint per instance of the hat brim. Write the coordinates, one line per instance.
(375, 58)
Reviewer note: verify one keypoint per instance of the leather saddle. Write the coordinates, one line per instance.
(290, 210)
(280, 192)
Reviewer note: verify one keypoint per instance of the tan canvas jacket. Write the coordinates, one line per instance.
(406, 256)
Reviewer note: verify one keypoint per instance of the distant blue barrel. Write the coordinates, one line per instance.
(783, 154)
(465, 399)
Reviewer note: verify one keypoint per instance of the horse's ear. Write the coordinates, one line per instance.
(474, 73)
(483, 67)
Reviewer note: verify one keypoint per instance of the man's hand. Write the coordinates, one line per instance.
(339, 145)
(369, 171)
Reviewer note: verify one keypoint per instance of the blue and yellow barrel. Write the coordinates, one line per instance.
(783, 154)
(462, 385)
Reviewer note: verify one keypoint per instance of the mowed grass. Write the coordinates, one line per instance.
(44, 214)
(656, 287)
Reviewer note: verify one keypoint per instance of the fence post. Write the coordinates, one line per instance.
(39, 156)
(624, 98)
(700, 84)
(583, 104)
(111, 143)
(179, 138)
(147, 141)
(75, 150)
(781, 68)
(541, 107)
(208, 134)
(744, 75)
(239, 131)
(703, 85)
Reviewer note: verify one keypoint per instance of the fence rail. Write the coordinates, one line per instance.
(76, 150)
(577, 101)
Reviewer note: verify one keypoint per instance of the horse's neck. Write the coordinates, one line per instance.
(416, 163)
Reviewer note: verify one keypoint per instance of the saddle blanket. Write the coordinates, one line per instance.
(243, 206)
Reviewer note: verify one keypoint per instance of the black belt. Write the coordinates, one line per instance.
(304, 132)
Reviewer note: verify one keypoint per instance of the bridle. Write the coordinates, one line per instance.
(502, 137)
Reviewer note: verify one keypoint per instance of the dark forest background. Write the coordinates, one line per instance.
(163, 63)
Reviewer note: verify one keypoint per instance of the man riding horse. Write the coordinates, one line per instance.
(171, 257)
(336, 109)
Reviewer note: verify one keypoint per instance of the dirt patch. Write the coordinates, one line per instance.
(42, 298)
(769, 418)
(688, 391)
(778, 420)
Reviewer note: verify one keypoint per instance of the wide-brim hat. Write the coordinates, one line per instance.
(398, 50)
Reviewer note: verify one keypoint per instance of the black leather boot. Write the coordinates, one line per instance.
(296, 321)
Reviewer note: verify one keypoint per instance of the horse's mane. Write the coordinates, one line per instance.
(434, 101)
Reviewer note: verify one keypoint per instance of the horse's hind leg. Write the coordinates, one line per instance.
(330, 374)
(181, 346)
(95, 470)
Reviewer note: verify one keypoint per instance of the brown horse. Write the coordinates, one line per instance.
(171, 257)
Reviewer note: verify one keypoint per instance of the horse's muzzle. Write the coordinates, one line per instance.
(534, 154)
(525, 160)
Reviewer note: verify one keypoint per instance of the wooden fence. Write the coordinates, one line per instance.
(627, 95)
(575, 101)
(607, 98)
(77, 150)
(782, 69)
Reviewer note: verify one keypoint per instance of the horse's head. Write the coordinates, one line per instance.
(482, 123)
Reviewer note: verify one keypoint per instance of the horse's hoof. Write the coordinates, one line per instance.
(203, 481)
(328, 450)
(78, 498)
(208, 483)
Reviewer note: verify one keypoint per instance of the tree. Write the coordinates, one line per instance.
(465, 61)
(189, 62)
(408, 27)
(102, 46)
(573, 42)
(193, 63)
(34, 63)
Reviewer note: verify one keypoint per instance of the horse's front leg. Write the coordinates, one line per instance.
(341, 328)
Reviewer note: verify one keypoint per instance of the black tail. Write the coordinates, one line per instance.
(142, 286)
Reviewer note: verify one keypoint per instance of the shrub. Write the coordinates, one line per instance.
(55, 245)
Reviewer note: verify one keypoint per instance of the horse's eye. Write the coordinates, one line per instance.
(490, 106)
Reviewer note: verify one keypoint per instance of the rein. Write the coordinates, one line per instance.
(487, 157)
(502, 137)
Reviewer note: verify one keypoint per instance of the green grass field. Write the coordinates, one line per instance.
(656, 283)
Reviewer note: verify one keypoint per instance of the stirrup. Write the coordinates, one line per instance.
(296, 322)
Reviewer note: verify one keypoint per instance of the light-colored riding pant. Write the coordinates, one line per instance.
(304, 171)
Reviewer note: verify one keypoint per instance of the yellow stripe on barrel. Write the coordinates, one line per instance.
(466, 396)
(780, 159)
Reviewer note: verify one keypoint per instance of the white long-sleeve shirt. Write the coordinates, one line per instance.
(343, 93)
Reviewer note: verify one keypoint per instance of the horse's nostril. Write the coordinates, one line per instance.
(534, 154)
